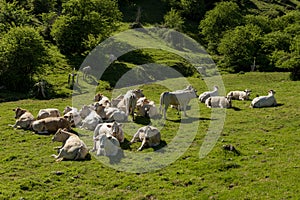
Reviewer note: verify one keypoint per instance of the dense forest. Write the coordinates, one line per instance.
(42, 35)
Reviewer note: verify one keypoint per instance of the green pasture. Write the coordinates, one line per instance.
(268, 166)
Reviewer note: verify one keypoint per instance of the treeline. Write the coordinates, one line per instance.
(240, 36)
(42, 34)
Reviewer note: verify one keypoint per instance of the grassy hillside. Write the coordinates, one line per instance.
(268, 167)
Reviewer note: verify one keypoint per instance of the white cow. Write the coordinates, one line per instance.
(106, 146)
(48, 112)
(218, 102)
(73, 117)
(180, 98)
(205, 95)
(115, 101)
(91, 121)
(73, 147)
(129, 101)
(264, 101)
(148, 135)
(239, 95)
(86, 71)
(23, 118)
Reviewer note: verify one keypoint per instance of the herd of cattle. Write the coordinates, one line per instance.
(105, 116)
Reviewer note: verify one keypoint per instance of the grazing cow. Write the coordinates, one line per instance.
(181, 98)
(205, 95)
(73, 147)
(264, 101)
(23, 118)
(48, 112)
(129, 101)
(239, 95)
(148, 135)
(218, 102)
(146, 108)
(86, 71)
(50, 124)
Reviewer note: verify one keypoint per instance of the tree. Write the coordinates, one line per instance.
(225, 16)
(22, 53)
(82, 20)
(240, 46)
(173, 20)
(13, 15)
(193, 9)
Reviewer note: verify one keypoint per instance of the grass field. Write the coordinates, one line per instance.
(268, 139)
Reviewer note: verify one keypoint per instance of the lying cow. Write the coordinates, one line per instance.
(264, 101)
(207, 94)
(218, 102)
(23, 118)
(110, 114)
(146, 108)
(115, 101)
(239, 95)
(180, 98)
(50, 124)
(101, 99)
(110, 129)
(73, 147)
(48, 112)
(106, 145)
(148, 135)
(73, 117)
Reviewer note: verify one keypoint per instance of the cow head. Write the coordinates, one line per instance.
(19, 112)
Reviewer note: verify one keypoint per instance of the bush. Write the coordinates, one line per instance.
(22, 54)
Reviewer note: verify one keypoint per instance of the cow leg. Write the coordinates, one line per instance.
(184, 110)
(143, 145)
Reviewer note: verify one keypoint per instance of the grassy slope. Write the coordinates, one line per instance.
(267, 168)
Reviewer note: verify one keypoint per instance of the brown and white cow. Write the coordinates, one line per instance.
(48, 112)
(50, 124)
(73, 147)
(23, 118)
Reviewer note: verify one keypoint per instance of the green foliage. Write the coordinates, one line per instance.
(84, 20)
(225, 16)
(22, 53)
(13, 15)
(193, 9)
(263, 22)
(240, 46)
(173, 20)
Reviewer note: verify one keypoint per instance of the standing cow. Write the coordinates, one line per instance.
(179, 98)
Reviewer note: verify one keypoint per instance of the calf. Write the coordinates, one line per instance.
(48, 112)
(23, 118)
(73, 147)
(148, 135)
(50, 124)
